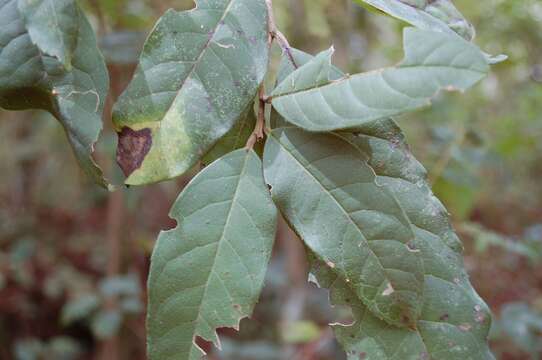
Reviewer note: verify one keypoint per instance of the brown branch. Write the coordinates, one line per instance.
(275, 34)
(259, 129)
(109, 349)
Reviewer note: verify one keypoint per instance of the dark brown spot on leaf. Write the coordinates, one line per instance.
(362, 356)
(132, 148)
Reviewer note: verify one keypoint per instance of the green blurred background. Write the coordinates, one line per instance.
(74, 259)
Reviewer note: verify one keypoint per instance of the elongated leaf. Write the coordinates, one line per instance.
(53, 25)
(198, 72)
(433, 61)
(439, 15)
(455, 322)
(208, 272)
(29, 79)
(330, 196)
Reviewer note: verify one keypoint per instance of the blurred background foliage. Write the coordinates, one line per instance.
(74, 259)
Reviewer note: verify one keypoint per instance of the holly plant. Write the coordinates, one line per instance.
(335, 165)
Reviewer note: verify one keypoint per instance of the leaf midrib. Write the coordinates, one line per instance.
(342, 209)
(423, 340)
(200, 56)
(219, 242)
(372, 73)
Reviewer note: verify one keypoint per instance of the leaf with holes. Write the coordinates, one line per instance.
(208, 272)
(198, 72)
(433, 61)
(30, 79)
(329, 195)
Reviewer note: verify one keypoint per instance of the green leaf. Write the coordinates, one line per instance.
(440, 15)
(208, 272)
(53, 26)
(383, 145)
(198, 73)
(329, 195)
(29, 79)
(433, 61)
(235, 139)
(454, 323)
(289, 63)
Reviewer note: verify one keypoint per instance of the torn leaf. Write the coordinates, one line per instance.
(208, 272)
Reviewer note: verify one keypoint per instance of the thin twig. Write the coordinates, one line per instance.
(285, 46)
(258, 132)
(275, 34)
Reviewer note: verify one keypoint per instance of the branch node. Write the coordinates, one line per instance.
(259, 129)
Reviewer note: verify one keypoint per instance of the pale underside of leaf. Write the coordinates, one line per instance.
(198, 72)
(440, 15)
(29, 79)
(208, 272)
(433, 61)
(53, 26)
(330, 196)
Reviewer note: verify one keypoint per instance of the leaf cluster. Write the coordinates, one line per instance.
(335, 165)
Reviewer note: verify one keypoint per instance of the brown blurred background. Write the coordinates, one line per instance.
(74, 259)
